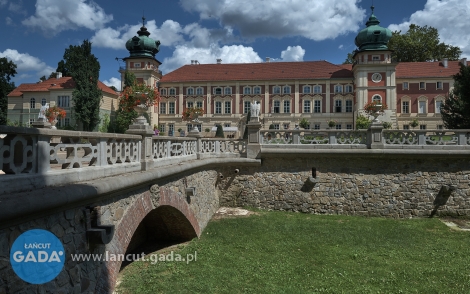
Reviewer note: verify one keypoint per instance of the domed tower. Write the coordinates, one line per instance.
(373, 68)
(142, 62)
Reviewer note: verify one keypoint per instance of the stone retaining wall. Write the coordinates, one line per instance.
(392, 186)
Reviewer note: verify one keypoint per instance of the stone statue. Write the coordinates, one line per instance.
(42, 112)
(255, 109)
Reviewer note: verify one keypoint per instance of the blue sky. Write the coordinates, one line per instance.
(35, 33)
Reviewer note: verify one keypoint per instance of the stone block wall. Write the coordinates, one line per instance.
(125, 210)
(391, 186)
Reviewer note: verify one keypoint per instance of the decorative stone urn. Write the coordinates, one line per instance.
(53, 123)
(376, 113)
(141, 109)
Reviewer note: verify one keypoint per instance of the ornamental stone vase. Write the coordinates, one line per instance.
(141, 109)
(376, 113)
(53, 123)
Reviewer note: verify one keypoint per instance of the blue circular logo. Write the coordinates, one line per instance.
(37, 256)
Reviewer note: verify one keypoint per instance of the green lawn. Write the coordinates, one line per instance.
(280, 252)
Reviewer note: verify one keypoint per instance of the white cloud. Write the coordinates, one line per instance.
(183, 54)
(113, 82)
(341, 46)
(294, 53)
(54, 16)
(317, 20)
(26, 63)
(17, 7)
(8, 21)
(450, 17)
(3, 2)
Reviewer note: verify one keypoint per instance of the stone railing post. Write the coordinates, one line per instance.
(102, 144)
(296, 138)
(43, 154)
(146, 132)
(375, 139)
(462, 138)
(196, 134)
(332, 137)
(253, 149)
(421, 137)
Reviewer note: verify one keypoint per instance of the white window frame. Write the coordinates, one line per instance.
(199, 104)
(340, 106)
(32, 103)
(163, 92)
(348, 88)
(286, 90)
(437, 110)
(338, 89)
(317, 89)
(257, 90)
(316, 108)
(246, 106)
(406, 86)
(171, 107)
(276, 126)
(423, 109)
(278, 106)
(246, 90)
(286, 126)
(349, 126)
(424, 85)
(199, 91)
(162, 107)
(227, 107)
(228, 91)
(286, 106)
(172, 92)
(406, 127)
(218, 107)
(377, 97)
(338, 126)
(309, 89)
(441, 85)
(190, 91)
(348, 108)
(276, 90)
(63, 101)
(316, 126)
(407, 107)
(218, 89)
(137, 65)
(189, 104)
(422, 127)
(309, 106)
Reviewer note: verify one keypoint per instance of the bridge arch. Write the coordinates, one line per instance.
(169, 218)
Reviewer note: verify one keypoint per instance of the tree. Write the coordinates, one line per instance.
(421, 44)
(456, 108)
(245, 133)
(84, 68)
(126, 112)
(220, 132)
(349, 58)
(7, 71)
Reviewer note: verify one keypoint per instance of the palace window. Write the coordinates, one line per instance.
(161, 128)
(218, 107)
(307, 106)
(422, 85)
(171, 129)
(32, 103)
(277, 107)
(63, 101)
(228, 108)
(317, 106)
(246, 107)
(247, 91)
(190, 91)
(349, 89)
(440, 127)
(422, 127)
(349, 106)
(286, 126)
(199, 104)
(349, 127)
(338, 105)
(338, 89)
(406, 86)
(276, 126)
(43, 102)
(405, 107)
(171, 107)
(439, 85)
(199, 91)
(286, 90)
(406, 127)
(316, 126)
(338, 126)
(377, 99)
(163, 92)
(286, 106)
(438, 106)
(317, 89)
(162, 108)
(228, 91)
(218, 91)
(276, 90)
(307, 90)
(190, 104)
(172, 92)
(257, 90)
(422, 107)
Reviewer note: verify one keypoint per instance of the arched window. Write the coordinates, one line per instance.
(286, 90)
(247, 91)
(32, 103)
(163, 92)
(276, 90)
(190, 91)
(172, 91)
(228, 91)
(218, 91)
(307, 90)
(377, 99)
(257, 90)
(199, 91)
(43, 102)
(317, 89)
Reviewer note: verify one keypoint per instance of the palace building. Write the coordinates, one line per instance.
(318, 91)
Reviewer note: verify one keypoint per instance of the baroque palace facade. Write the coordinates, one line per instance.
(318, 91)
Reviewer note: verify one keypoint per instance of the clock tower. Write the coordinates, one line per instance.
(373, 69)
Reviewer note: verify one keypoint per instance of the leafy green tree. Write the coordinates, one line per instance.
(126, 113)
(220, 132)
(7, 71)
(362, 122)
(303, 123)
(349, 58)
(84, 68)
(456, 108)
(421, 44)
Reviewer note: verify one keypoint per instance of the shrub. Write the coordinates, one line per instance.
(220, 132)
(303, 123)
(362, 122)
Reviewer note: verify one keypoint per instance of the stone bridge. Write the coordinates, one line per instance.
(109, 193)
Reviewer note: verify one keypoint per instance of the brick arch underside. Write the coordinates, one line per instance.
(172, 219)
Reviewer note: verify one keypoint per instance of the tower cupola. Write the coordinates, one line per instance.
(373, 37)
(142, 45)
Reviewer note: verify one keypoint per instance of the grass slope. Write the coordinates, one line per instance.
(280, 252)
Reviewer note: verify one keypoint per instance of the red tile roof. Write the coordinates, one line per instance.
(257, 71)
(54, 84)
(426, 69)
